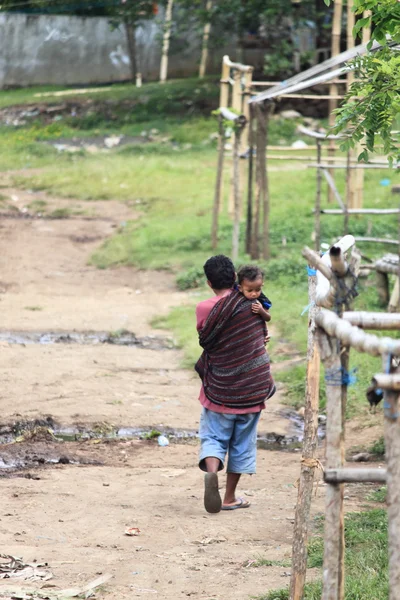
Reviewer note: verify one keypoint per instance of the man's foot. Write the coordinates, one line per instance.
(212, 499)
(239, 503)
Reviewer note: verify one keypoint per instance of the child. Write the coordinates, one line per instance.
(250, 282)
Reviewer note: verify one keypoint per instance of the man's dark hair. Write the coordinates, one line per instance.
(250, 272)
(220, 272)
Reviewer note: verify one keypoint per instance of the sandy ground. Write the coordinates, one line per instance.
(73, 516)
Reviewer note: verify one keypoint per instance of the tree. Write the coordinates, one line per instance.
(372, 103)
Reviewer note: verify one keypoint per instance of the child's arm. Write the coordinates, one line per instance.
(258, 308)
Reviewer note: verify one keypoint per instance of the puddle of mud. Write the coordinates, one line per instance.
(23, 431)
(124, 338)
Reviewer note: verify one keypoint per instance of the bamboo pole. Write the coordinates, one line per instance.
(370, 320)
(355, 337)
(236, 188)
(204, 46)
(330, 354)
(362, 211)
(249, 216)
(218, 184)
(392, 451)
(335, 50)
(237, 106)
(394, 298)
(355, 475)
(225, 85)
(351, 177)
(377, 240)
(382, 286)
(387, 381)
(308, 463)
(166, 39)
(265, 182)
(366, 34)
(348, 196)
(254, 250)
(318, 199)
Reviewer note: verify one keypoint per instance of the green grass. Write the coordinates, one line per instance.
(366, 554)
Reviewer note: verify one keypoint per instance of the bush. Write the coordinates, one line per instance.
(190, 279)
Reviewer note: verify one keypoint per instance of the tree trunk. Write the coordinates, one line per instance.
(204, 48)
(130, 31)
(165, 46)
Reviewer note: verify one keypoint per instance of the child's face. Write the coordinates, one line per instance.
(251, 289)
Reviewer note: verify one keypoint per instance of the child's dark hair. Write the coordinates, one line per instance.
(250, 272)
(220, 272)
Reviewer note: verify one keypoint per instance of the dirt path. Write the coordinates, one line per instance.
(73, 516)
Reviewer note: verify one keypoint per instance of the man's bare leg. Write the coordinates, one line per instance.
(212, 464)
(232, 479)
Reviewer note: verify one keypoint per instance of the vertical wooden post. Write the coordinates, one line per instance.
(335, 49)
(249, 215)
(344, 361)
(166, 38)
(366, 33)
(206, 36)
(392, 451)
(265, 182)
(352, 174)
(225, 85)
(218, 184)
(262, 199)
(348, 194)
(237, 106)
(330, 353)
(300, 531)
(318, 199)
(236, 191)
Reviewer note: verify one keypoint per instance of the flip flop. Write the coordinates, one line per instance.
(241, 503)
(212, 499)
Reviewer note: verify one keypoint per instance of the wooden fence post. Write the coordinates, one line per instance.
(335, 49)
(262, 197)
(224, 83)
(236, 188)
(392, 451)
(318, 199)
(249, 215)
(218, 183)
(308, 463)
(330, 354)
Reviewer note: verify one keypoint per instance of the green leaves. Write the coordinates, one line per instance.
(372, 103)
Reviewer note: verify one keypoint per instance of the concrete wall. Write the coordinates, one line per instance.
(62, 50)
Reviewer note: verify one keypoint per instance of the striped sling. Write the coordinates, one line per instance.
(234, 366)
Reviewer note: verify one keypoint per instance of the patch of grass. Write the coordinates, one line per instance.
(60, 213)
(264, 562)
(379, 495)
(151, 435)
(33, 308)
(378, 447)
(366, 553)
(37, 205)
(191, 278)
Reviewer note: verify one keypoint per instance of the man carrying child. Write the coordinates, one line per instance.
(235, 372)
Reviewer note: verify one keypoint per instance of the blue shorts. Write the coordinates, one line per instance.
(222, 433)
